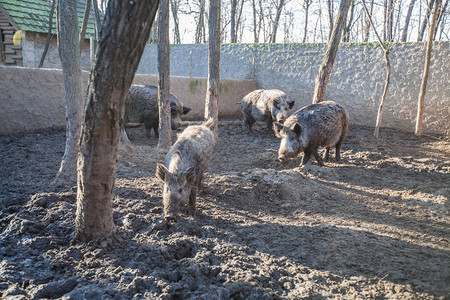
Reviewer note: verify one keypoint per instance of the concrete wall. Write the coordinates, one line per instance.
(357, 79)
(33, 99)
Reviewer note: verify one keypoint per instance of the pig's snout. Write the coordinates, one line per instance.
(170, 217)
(282, 157)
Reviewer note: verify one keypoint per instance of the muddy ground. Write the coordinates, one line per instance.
(375, 225)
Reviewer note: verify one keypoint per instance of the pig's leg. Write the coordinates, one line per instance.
(327, 154)
(306, 157)
(318, 158)
(192, 199)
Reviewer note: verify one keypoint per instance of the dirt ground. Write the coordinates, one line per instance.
(375, 225)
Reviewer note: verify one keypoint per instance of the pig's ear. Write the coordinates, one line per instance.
(276, 102)
(173, 108)
(190, 176)
(277, 127)
(296, 128)
(291, 104)
(161, 172)
(186, 110)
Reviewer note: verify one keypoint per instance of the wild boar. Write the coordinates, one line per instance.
(142, 107)
(183, 169)
(317, 125)
(267, 106)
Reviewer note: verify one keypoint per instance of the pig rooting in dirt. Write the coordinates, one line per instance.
(184, 167)
(317, 125)
(142, 107)
(267, 106)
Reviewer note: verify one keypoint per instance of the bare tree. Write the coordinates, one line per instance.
(330, 4)
(257, 19)
(425, 21)
(333, 45)
(69, 52)
(386, 50)
(212, 89)
(426, 70)
(279, 5)
(165, 130)
(200, 36)
(87, 11)
(367, 23)
(404, 36)
(233, 20)
(348, 24)
(49, 34)
(175, 5)
(440, 17)
(389, 21)
(306, 4)
(119, 52)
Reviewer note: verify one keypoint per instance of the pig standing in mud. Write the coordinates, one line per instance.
(142, 107)
(183, 169)
(317, 125)
(267, 106)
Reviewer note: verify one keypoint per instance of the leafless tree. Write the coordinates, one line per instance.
(175, 6)
(279, 5)
(212, 89)
(69, 52)
(333, 45)
(84, 24)
(306, 4)
(257, 10)
(348, 24)
(407, 21)
(165, 130)
(425, 21)
(49, 34)
(119, 52)
(426, 70)
(367, 23)
(386, 50)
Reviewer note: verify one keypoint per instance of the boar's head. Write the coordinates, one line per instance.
(291, 141)
(177, 187)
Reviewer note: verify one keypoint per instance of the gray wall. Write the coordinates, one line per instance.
(357, 79)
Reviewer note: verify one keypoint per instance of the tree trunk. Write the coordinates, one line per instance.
(233, 21)
(440, 18)
(49, 34)
(425, 22)
(279, 8)
(200, 30)
(407, 20)
(348, 25)
(212, 89)
(333, 45)
(165, 130)
(390, 21)
(125, 30)
(330, 16)
(306, 4)
(385, 91)
(367, 24)
(426, 70)
(69, 51)
(176, 23)
(87, 10)
(388, 70)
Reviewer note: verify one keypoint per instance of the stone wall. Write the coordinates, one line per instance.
(357, 79)
(33, 99)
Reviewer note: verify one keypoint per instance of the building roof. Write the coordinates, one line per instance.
(32, 15)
